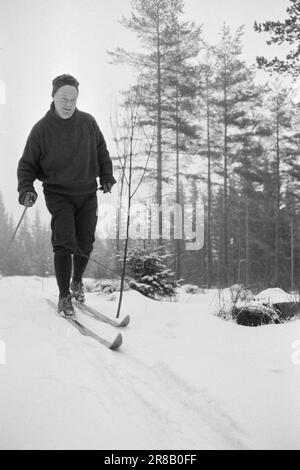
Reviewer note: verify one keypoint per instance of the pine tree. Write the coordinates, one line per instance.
(287, 31)
(182, 88)
(281, 147)
(209, 130)
(150, 20)
(236, 92)
(167, 44)
(246, 182)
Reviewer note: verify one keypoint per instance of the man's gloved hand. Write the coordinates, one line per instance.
(28, 199)
(106, 188)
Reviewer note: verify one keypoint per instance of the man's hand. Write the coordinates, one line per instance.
(106, 188)
(28, 199)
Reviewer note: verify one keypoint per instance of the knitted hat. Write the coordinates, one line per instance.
(62, 80)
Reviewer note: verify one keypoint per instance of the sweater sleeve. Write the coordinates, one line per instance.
(104, 160)
(28, 166)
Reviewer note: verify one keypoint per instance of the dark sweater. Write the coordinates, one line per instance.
(66, 154)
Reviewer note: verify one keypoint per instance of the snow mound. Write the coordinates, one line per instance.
(274, 296)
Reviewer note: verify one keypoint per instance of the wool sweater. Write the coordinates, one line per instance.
(67, 155)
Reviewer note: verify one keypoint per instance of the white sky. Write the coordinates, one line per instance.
(41, 39)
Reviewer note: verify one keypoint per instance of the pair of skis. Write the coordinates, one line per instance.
(113, 345)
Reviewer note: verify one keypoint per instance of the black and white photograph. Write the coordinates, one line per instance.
(150, 227)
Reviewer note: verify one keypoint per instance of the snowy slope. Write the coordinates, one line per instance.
(184, 379)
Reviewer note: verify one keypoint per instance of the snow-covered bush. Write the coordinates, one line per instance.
(191, 289)
(286, 304)
(267, 307)
(231, 298)
(150, 274)
(275, 296)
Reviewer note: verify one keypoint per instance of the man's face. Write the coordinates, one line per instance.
(65, 100)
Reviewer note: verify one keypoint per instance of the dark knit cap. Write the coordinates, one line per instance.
(62, 80)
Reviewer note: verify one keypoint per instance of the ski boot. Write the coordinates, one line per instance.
(65, 306)
(78, 291)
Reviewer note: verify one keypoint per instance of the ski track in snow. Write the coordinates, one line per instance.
(174, 415)
(98, 399)
(181, 408)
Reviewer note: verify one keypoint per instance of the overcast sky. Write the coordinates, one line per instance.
(41, 39)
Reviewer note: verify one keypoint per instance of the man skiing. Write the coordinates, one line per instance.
(67, 152)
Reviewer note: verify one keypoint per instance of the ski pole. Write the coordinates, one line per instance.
(12, 238)
(17, 228)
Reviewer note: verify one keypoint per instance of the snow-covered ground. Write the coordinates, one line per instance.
(184, 379)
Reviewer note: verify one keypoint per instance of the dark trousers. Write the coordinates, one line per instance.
(73, 224)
